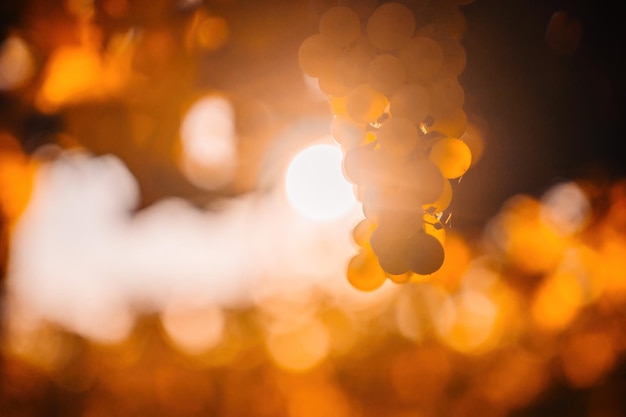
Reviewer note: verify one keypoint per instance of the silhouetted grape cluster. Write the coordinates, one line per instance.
(391, 78)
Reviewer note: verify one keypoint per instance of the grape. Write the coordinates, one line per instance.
(443, 201)
(452, 124)
(398, 135)
(452, 156)
(317, 56)
(400, 279)
(371, 204)
(363, 8)
(386, 73)
(422, 58)
(385, 168)
(393, 93)
(390, 251)
(331, 86)
(338, 106)
(364, 104)
(423, 179)
(390, 26)
(340, 26)
(410, 101)
(351, 67)
(379, 201)
(357, 162)
(454, 56)
(347, 132)
(364, 273)
(401, 223)
(365, 45)
(362, 232)
(425, 253)
(433, 227)
(474, 138)
(407, 182)
(447, 18)
(446, 94)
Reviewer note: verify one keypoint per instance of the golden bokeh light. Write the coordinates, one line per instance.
(467, 321)
(73, 73)
(209, 156)
(16, 63)
(299, 349)
(194, 330)
(208, 32)
(588, 357)
(557, 301)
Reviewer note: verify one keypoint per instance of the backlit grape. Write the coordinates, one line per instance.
(378, 202)
(357, 164)
(474, 138)
(330, 85)
(351, 67)
(398, 135)
(338, 106)
(422, 58)
(400, 279)
(401, 223)
(446, 94)
(424, 179)
(451, 124)
(390, 26)
(433, 227)
(347, 132)
(362, 232)
(398, 110)
(452, 156)
(364, 104)
(443, 201)
(411, 101)
(317, 56)
(425, 253)
(364, 273)
(386, 73)
(390, 251)
(454, 56)
(447, 18)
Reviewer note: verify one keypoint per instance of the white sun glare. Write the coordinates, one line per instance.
(315, 184)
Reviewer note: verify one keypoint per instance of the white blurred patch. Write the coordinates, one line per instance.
(82, 259)
(65, 244)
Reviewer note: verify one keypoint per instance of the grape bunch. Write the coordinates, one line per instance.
(391, 79)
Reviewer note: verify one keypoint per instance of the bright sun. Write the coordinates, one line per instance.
(315, 184)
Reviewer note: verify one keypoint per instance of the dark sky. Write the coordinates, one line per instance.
(551, 116)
